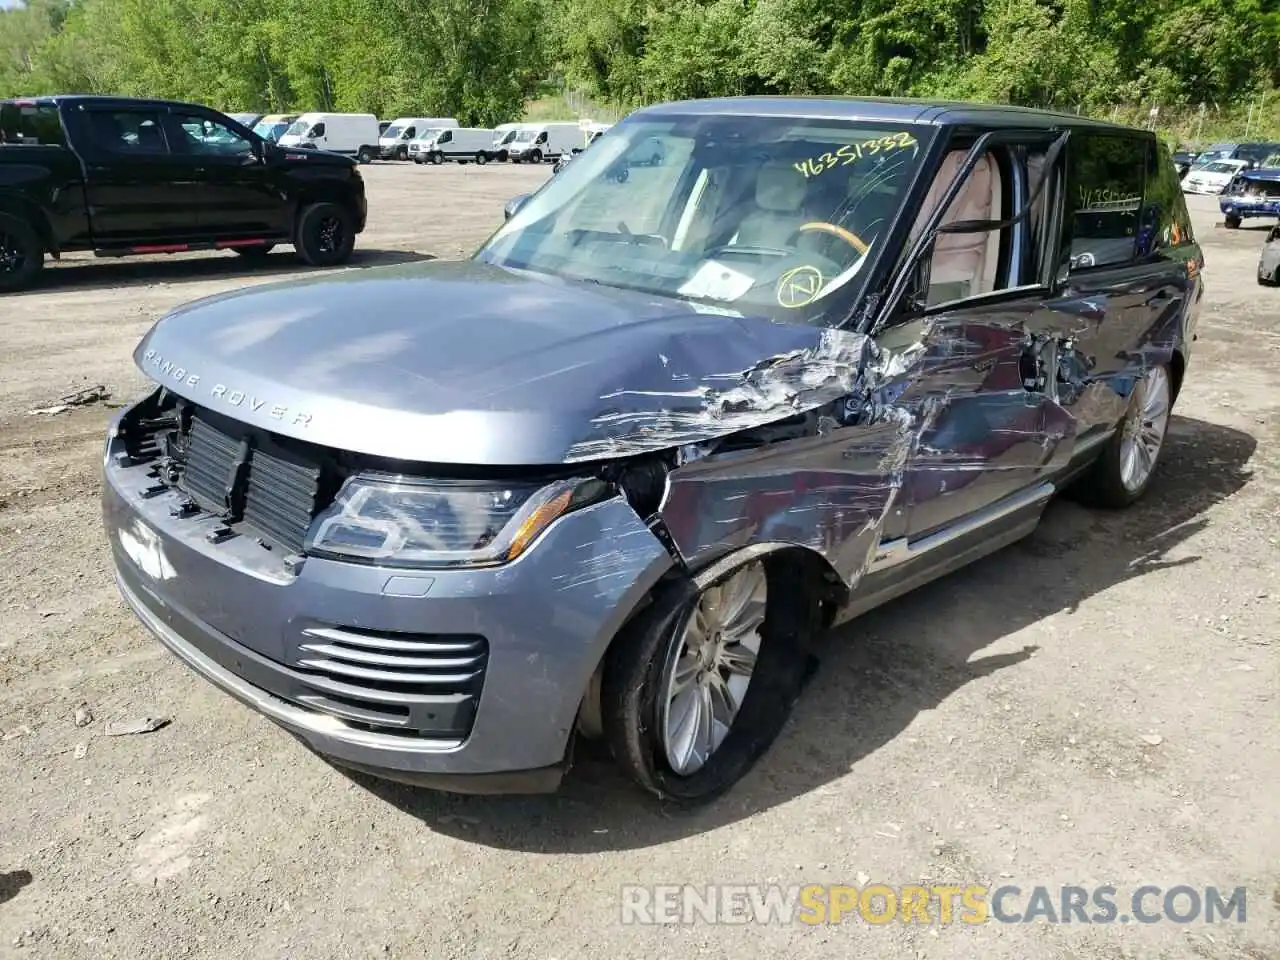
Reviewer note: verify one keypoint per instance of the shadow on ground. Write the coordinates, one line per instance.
(111, 272)
(881, 670)
(12, 882)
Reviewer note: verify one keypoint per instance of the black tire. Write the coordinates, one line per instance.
(365, 155)
(402, 153)
(1265, 279)
(255, 253)
(1232, 223)
(503, 156)
(535, 156)
(325, 234)
(417, 158)
(482, 158)
(21, 253)
(1104, 485)
(436, 157)
(631, 692)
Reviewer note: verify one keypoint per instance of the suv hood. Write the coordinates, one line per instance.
(463, 362)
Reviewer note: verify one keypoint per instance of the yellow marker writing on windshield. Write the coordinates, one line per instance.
(849, 153)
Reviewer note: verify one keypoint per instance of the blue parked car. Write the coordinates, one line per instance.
(1252, 193)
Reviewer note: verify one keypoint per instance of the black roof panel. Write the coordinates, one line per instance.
(886, 109)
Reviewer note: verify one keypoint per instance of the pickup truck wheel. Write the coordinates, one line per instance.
(1123, 471)
(365, 155)
(326, 235)
(694, 691)
(21, 253)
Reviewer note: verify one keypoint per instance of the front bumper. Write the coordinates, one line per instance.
(1244, 208)
(231, 612)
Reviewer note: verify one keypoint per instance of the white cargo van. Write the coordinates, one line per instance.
(395, 140)
(462, 144)
(536, 142)
(355, 134)
(419, 144)
(503, 136)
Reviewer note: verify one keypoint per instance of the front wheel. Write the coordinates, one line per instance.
(535, 156)
(1232, 223)
(21, 253)
(696, 690)
(437, 157)
(1122, 473)
(365, 155)
(482, 158)
(325, 235)
(402, 153)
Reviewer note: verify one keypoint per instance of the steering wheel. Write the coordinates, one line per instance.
(821, 226)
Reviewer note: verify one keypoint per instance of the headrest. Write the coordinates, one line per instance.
(780, 187)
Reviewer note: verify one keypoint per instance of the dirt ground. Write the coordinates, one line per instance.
(1096, 705)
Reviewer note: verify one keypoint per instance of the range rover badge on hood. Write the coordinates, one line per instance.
(167, 371)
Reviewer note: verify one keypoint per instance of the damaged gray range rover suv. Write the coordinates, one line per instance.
(615, 474)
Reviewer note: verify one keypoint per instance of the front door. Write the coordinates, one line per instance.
(240, 197)
(136, 188)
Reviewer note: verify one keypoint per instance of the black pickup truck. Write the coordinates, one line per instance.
(123, 176)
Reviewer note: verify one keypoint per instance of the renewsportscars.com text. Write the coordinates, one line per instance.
(876, 903)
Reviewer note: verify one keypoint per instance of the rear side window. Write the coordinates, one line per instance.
(1105, 174)
(1166, 222)
(30, 124)
(133, 132)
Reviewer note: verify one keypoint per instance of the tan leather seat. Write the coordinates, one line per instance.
(964, 264)
(780, 196)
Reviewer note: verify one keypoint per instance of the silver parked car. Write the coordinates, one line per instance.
(1269, 261)
(615, 474)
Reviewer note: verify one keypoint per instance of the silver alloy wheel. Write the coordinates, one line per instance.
(1144, 429)
(709, 666)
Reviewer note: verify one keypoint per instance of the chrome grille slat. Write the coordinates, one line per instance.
(383, 641)
(404, 677)
(370, 658)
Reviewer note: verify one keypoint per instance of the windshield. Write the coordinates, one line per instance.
(767, 214)
(506, 137)
(298, 128)
(391, 132)
(1219, 166)
(429, 134)
(523, 136)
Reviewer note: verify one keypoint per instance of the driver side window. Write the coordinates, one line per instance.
(208, 137)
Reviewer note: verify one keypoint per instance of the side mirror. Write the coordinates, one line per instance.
(513, 206)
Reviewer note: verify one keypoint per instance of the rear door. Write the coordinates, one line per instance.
(138, 192)
(239, 196)
(1110, 288)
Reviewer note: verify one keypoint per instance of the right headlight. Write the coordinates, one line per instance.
(401, 521)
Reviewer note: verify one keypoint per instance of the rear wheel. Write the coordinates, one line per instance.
(1123, 472)
(21, 253)
(695, 692)
(365, 155)
(1232, 222)
(325, 235)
